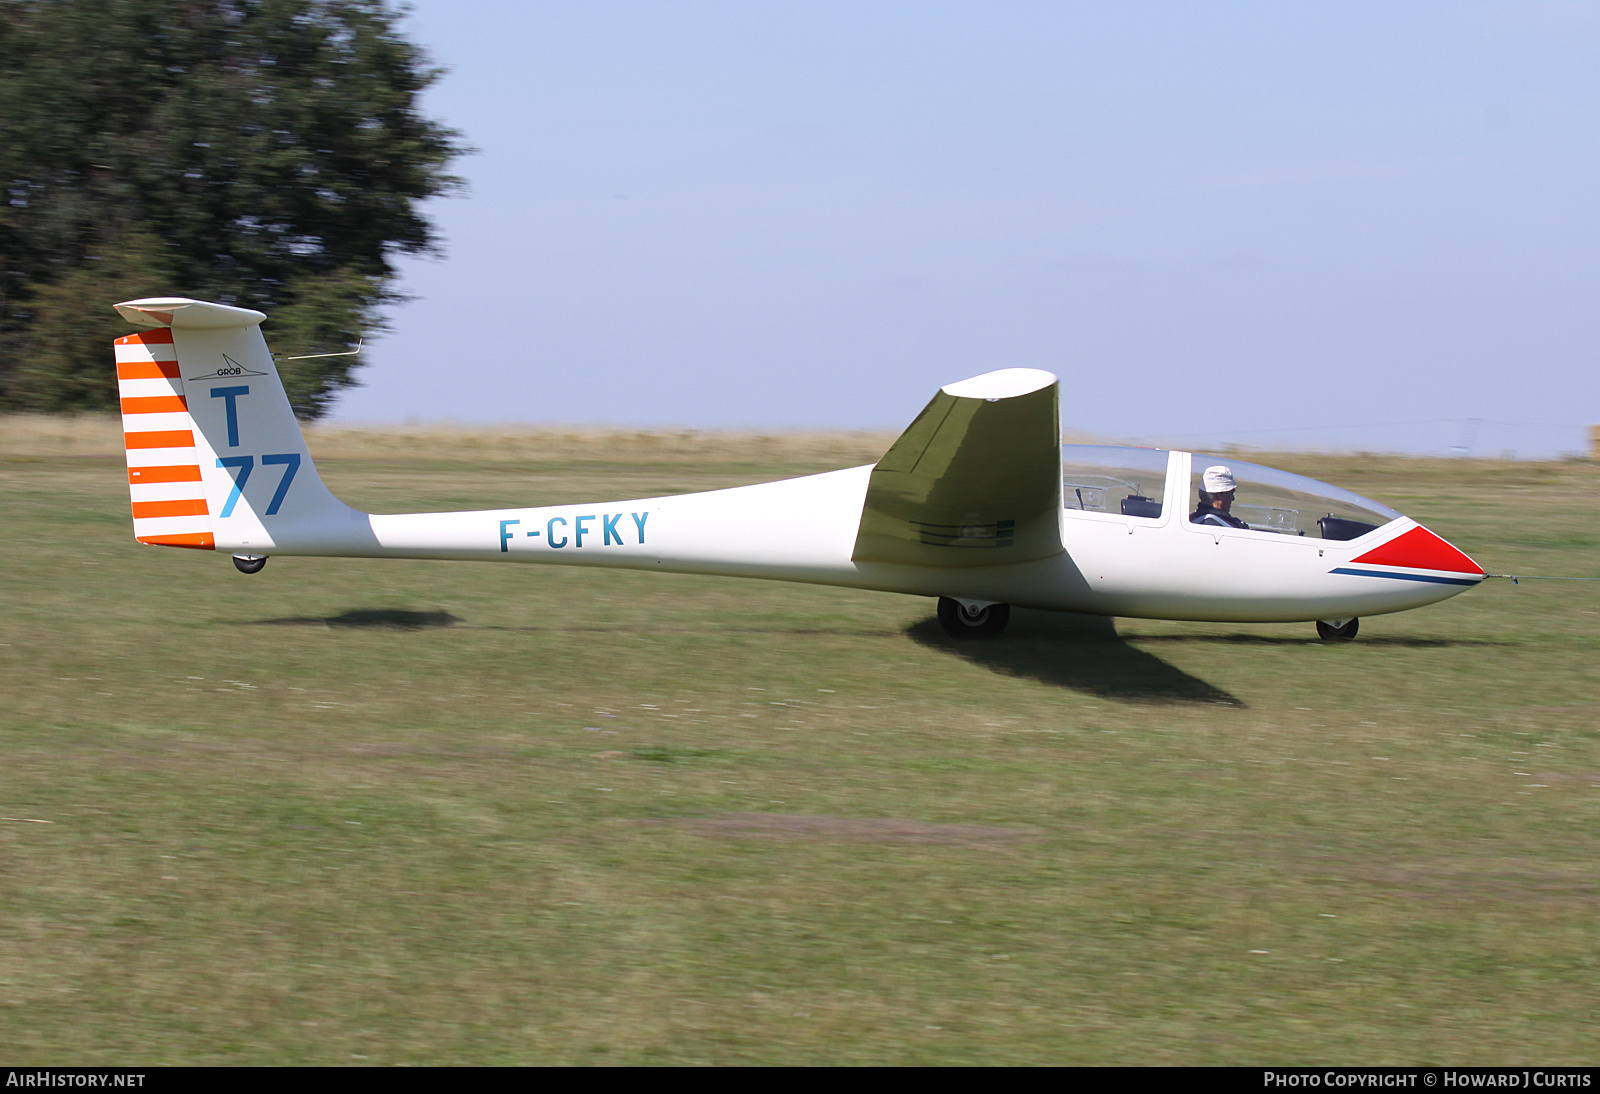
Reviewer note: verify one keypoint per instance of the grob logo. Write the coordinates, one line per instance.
(232, 368)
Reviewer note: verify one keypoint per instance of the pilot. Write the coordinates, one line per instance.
(1216, 499)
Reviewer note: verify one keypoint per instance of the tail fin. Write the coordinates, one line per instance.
(216, 459)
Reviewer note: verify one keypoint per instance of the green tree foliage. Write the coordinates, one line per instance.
(265, 153)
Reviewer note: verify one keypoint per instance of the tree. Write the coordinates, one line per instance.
(265, 153)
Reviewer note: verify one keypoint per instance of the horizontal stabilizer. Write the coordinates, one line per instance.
(186, 314)
(974, 481)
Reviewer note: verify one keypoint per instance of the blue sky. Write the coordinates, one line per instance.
(1340, 224)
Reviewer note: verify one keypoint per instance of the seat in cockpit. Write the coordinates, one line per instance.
(1333, 527)
(1137, 505)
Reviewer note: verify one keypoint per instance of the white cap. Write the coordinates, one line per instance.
(1217, 480)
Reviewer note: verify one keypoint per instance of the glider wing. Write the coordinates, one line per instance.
(974, 481)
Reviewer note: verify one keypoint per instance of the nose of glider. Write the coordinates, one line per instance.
(1419, 549)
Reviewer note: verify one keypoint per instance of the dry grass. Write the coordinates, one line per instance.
(34, 435)
(581, 444)
(39, 435)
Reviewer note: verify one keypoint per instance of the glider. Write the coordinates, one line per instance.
(977, 503)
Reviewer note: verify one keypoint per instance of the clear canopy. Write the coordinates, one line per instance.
(1268, 500)
(1101, 478)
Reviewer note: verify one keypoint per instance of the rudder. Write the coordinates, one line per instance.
(164, 481)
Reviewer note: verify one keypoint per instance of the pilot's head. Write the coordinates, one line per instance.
(1217, 487)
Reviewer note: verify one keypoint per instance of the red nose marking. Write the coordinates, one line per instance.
(1422, 550)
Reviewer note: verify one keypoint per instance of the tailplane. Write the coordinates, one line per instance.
(216, 459)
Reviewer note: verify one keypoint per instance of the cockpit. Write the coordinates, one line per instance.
(1136, 482)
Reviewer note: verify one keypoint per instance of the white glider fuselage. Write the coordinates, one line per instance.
(805, 530)
(217, 461)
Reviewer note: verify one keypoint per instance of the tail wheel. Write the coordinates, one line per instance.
(959, 621)
(249, 564)
(1338, 631)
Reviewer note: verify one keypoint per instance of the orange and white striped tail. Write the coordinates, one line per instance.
(169, 504)
(216, 459)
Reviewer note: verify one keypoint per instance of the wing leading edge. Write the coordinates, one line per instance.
(974, 481)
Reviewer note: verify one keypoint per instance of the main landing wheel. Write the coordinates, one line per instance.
(249, 564)
(958, 622)
(1328, 632)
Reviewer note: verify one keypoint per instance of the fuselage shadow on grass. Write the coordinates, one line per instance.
(1080, 652)
(382, 618)
(406, 620)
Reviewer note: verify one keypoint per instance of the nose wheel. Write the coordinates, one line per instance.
(970, 620)
(249, 564)
(1340, 630)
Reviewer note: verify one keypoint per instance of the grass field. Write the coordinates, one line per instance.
(408, 812)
